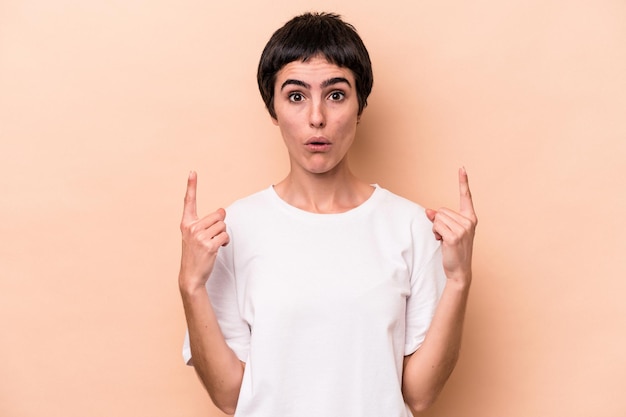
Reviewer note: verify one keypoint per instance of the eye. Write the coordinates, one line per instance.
(296, 97)
(336, 95)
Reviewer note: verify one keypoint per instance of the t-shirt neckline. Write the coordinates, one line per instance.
(364, 206)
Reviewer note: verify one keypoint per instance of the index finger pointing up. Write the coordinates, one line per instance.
(467, 205)
(189, 208)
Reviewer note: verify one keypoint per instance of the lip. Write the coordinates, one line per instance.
(317, 140)
(318, 144)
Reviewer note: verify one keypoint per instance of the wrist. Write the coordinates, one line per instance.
(191, 287)
(460, 282)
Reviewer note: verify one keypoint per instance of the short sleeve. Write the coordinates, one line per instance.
(222, 290)
(427, 284)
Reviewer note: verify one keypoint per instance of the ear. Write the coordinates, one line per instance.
(275, 121)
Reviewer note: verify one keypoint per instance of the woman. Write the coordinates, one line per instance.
(324, 295)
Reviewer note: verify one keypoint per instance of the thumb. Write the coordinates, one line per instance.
(430, 213)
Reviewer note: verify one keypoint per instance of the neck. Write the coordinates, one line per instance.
(323, 193)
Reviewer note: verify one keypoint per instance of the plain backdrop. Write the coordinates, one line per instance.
(105, 106)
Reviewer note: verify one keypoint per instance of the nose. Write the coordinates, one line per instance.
(317, 116)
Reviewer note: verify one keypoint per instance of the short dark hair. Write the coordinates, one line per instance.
(309, 35)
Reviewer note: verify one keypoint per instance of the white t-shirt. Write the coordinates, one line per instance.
(324, 307)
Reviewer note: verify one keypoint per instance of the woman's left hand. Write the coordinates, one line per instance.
(456, 231)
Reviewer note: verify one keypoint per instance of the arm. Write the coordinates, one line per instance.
(427, 370)
(216, 364)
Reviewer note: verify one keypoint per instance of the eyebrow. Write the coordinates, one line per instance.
(335, 80)
(326, 83)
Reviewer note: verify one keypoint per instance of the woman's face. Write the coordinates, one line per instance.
(316, 108)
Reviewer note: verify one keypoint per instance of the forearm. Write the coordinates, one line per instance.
(216, 364)
(427, 370)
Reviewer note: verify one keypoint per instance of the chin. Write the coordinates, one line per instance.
(323, 170)
(323, 167)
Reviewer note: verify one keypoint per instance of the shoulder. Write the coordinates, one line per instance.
(255, 201)
(398, 203)
(403, 211)
(250, 208)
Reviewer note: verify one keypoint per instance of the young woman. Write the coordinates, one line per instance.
(324, 295)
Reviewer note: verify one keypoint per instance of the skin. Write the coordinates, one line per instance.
(317, 101)
(427, 370)
(317, 113)
(216, 364)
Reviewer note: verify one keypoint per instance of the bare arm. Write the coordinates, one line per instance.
(427, 370)
(216, 364)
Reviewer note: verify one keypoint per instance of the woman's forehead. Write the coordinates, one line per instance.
(314, 71)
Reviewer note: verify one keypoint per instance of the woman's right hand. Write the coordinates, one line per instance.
(202, 238)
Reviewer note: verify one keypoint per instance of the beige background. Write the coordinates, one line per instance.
(106, 106)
